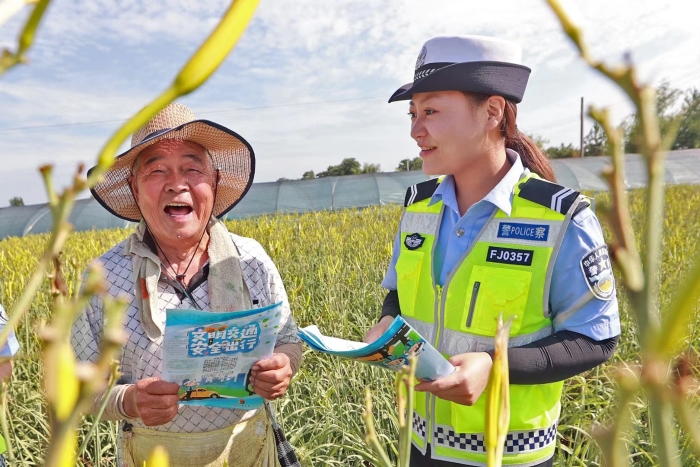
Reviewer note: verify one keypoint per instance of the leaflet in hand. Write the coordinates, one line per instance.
(210, 354)
(390, 351)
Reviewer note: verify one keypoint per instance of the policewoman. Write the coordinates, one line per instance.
(494, 234)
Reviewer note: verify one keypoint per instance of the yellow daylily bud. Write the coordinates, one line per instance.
(498, 398)
(61, 383)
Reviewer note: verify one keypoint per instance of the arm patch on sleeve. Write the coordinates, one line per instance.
(597, 271)
(420, 191)
(555, 197)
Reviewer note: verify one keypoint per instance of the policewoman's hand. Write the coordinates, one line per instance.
(468, 381)
(378, 329)
(152, 400)
(271, 376)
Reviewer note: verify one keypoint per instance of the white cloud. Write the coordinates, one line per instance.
(103, 60)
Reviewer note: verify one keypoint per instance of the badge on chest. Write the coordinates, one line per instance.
(414, 241)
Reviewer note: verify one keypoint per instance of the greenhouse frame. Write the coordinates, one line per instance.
(352, 191)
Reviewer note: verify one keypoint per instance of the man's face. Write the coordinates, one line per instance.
(173, 185)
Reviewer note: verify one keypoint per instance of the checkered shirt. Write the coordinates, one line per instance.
(142, 358)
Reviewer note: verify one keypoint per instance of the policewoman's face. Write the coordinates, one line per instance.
(450, 131)
(173, 185)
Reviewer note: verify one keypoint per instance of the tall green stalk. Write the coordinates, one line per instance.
(661, 335)
(405, 392)
(9, 59)
(71, 387)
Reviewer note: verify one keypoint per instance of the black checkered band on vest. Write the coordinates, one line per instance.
(516, 442)
(419, 425)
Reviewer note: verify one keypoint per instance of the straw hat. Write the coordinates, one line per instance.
(479, 64)
(230, 153)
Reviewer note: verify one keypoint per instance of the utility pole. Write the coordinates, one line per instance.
(408, 165)
(581, 154)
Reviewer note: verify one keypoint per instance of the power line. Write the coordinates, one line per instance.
(205, 112)
(59, 125)
(297, 104)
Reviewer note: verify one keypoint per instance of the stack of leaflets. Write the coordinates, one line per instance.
(390, 351)
(210, 354)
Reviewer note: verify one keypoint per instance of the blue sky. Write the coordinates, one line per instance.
(307, 84)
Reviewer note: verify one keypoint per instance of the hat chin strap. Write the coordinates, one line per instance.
(216, 189)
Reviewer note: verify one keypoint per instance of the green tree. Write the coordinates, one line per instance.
(308, 175)
(562, 151)
(595, 142)
(16, 201)
(689, 129)
(666, 99)
(368, 168)
(538, 140)
(413, 164)
(348, 166)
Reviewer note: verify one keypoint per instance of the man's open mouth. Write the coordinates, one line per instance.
(177, 209)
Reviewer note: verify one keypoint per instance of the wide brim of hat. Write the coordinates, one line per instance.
(494, 78)
(230, 153)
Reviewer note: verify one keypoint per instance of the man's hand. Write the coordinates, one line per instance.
(468, 381)
(271, 376)
(378, 329)
(152, 400)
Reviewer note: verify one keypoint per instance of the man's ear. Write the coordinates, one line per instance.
(132, 184)
(495, 107)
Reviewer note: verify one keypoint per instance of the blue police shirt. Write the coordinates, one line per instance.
(11, 346)
(597, 319)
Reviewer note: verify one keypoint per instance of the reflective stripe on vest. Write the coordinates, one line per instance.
(507, 269)
(516, 441)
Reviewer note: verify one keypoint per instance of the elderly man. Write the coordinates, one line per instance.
(179, 176)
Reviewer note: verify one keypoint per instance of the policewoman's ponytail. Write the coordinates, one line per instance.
(530, 154)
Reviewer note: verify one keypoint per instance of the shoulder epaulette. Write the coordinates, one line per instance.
(555, 197)
(420, 191)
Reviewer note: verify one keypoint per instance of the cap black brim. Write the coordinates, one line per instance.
(494, 78)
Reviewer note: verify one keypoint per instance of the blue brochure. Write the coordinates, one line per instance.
(390, 351)
(210, 354)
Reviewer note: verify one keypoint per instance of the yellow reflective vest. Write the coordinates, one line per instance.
(506, 270)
